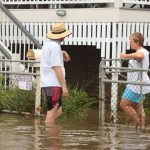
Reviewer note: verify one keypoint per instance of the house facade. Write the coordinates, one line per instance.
(99, 28)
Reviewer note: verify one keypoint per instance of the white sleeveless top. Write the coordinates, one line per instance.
(138, 76)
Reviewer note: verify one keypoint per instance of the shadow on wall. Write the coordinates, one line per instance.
(83, 69)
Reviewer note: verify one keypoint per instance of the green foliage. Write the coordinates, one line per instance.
(77, 104)
(147, 103)
(16, 99)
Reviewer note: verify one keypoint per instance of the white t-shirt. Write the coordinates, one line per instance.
(51, 56)
(137, 76)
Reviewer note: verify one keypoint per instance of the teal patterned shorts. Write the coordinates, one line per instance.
(132, 96)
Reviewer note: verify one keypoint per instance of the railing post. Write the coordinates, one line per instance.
(114, 98)
(5, 51)
(37, 94)
(141, 92)
(118, 3)
(101, 94)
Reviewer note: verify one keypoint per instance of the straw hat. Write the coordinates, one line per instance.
(58, 31)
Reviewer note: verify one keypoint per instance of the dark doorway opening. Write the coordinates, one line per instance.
(83, 69)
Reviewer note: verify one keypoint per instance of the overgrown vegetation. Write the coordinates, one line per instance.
(76, 105)
(147, 103)
(18, 100)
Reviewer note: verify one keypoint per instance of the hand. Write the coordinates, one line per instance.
(65, 92)
(66, 56)
(122, 55)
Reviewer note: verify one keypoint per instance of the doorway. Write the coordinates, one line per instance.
(83, 69)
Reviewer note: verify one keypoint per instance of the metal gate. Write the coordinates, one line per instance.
(112, 83)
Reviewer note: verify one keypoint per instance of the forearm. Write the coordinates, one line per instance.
(66, 56)
(132, 55)
(138, 56)
(60, 76)
(63, 51)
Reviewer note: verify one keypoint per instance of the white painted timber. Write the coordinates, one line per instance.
(98, 34)
(148, 35)
(5, 51)
(83, 15)
(124, 38)
(57, 3)
(52, 2)
(142, 2)
(108, 37)
(103, 50)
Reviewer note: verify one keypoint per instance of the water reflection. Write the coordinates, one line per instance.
(64, 136)
(46, 136)
(21, 133)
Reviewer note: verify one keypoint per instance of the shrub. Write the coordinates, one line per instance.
(147, 103)
(18, 100)
(77, 104)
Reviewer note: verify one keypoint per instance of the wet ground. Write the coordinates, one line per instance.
(22, 133)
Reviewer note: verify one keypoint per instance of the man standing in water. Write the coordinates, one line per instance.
(52, 71)
(133, 96)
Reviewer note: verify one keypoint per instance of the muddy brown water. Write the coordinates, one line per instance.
(22, 133)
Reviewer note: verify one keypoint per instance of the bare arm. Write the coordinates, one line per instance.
(61, 79)
(66, 56)
(136, 55)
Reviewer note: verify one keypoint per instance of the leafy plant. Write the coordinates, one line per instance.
(147, 103)
(17, 100)
(77, 104)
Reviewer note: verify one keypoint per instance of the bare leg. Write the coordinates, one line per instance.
(58, 112)
(141, 112)
(127, 107)
(50, 117)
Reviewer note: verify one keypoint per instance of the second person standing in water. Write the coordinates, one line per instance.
(133, 96)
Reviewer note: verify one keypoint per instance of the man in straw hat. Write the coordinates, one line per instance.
(53, 72)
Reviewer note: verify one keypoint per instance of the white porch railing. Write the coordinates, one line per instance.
(105, 36)
(13, 38)
(55, 1)
(68, 2)
(5, 51)
(142, 2)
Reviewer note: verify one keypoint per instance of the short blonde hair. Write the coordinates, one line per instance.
(137, 38)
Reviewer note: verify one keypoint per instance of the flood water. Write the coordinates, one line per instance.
(22, 133)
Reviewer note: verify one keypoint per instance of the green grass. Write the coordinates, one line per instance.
(18, 100)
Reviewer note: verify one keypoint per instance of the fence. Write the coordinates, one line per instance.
(12, 80)
(103, 35)
(113, 80)
(75, 3)
(59, 2)
(14, 35)
(143, 2)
